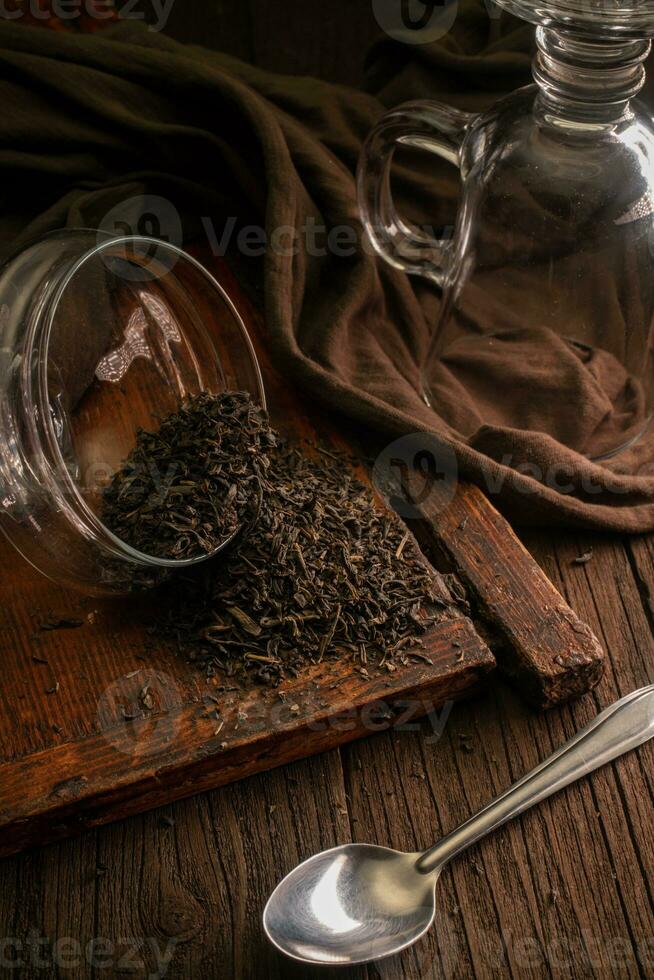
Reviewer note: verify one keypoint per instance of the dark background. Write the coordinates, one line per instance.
(327, 38)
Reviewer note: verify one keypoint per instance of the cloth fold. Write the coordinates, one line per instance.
(90, 123)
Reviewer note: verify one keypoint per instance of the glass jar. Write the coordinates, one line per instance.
(101, 336)
(547, 315)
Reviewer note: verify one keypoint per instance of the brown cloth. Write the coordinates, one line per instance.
(88, 122)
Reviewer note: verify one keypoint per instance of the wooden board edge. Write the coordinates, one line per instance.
(53, 794)
(541, 645)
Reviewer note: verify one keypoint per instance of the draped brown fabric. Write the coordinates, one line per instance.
(89, 122)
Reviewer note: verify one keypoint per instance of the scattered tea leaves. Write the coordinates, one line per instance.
(322, 572)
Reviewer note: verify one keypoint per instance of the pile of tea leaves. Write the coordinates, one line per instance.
(321, 572)
(185, 488)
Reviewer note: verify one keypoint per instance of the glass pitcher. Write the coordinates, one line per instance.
(546, 321)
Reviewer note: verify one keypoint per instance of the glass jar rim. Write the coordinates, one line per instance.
(38, 343)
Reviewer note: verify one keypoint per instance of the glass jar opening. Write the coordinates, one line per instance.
(132, 330)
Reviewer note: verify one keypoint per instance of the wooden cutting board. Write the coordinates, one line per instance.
(70, 759)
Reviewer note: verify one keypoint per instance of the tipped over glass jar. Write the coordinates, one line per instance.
(101, 337)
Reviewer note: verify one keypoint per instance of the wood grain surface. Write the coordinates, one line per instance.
(541, 645)
(564, 892)
(192, 878)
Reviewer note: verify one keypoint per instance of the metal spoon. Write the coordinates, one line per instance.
(357, 903)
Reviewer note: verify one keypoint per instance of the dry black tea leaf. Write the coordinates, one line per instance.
(322, 572)
(183, 490)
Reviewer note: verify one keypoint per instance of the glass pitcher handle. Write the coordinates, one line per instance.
(431, 126)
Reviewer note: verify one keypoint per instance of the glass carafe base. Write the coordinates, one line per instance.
(492, 383)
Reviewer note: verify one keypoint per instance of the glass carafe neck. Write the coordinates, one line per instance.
(587, 82)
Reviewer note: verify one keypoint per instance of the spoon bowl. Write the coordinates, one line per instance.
(351, 904)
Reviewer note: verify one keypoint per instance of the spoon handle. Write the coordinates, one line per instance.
(621, 727)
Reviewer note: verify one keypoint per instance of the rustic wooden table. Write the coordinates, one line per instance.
(564, 891)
